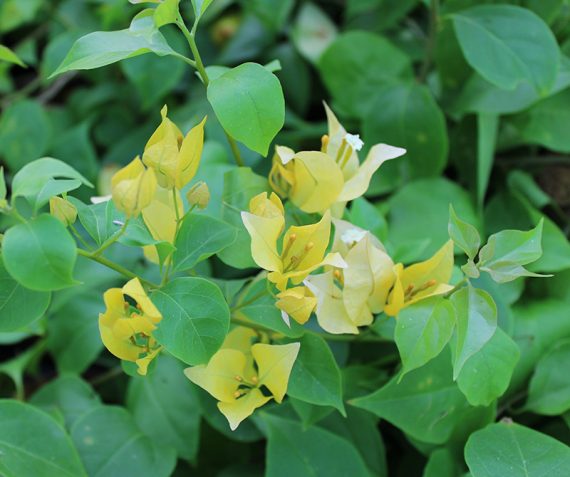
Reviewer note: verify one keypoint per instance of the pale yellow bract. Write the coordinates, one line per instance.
(133, 188)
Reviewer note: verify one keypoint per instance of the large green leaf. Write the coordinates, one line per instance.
(33, 443)
(356, 64)
(406, 115)
(486, 375)
(201, 236)
(248, 101)
(40, 254)
(426, 404)
(549, 390)
(110, 443)
(102, 48)
(511, 450)
(422, 331)
(476, 315)
(166, 407)
(507, 45)
(19, 306)
(315, 377)
(290, 451)
(196, 319)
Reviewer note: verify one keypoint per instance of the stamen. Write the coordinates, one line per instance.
(287, 248)
(254, 379)
(309, 246)
(237, 394)
(324, 143)
(238, 378)
(340, 152)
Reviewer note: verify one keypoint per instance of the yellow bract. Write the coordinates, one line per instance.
(173, 157)
(421, 280)
(231, 378)
(126, 331)
(63, 210)
(133, 188)
(297, 302)
(303, 247)
(315, 181)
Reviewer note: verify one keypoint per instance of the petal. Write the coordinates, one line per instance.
(264, 233)
(396, 298)
(240, 339)
(358, 184)
(297, 303)
(131, 171)
(331, 313)
(239, 409)
(218, 377)
(358, 282)
(266, 207)
(383, 275)
(135, 290)
(438, 268)
(275, 363)
(318, 181)
(143, 363)
(190, 154)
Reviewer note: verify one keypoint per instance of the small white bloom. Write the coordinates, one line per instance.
(285, 154)
(100, 199)
(354, 141)
(285, 318)
(352, 236)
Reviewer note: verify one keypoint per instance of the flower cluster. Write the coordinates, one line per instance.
(359, 278)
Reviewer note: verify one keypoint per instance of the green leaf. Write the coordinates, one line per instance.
(290, 451)
(196, 321)
(102, 48)
(200, 236)
(486, 375)
(21, 121)
(200, 7)
(441, 464)
(40, 254)
(426, 404)
(240, 185)
(110, 443)
(68, 395)
(3, 190)
(511, 450)
(549, 389)
(166, 408)
(505, 30)
(487, 128)
(406, 115)
(313, 31)
(422, 331)
(258, 306)
(315, 377)
(248, 102)
(97, 219)
(19, 307)
(6, 54)
(476, 315)
(364, 214)
(33, 443)
(464, 235)
(166, 12)
(507, 251)
(356, 64)
(44, 178)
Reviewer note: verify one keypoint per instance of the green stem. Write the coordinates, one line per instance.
(430, 43)
(114, 266)
(111, 240)
(199, 65)
(78, 236)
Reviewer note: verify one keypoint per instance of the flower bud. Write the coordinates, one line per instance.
(199, 195)
(63, 210)
(133, 188)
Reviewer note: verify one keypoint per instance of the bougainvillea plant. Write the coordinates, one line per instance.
(310, 274)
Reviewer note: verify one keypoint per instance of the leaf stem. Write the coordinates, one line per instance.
(111, 240)
(114, 266)
(199, 65)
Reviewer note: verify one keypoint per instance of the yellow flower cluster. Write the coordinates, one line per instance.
(359, 279)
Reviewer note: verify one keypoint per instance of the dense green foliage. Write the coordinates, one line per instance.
(471, 380)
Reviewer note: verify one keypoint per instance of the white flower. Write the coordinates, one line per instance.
(354, 141)
(352, 236)
(100, 199)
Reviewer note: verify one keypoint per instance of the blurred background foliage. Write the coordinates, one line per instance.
(393, 72)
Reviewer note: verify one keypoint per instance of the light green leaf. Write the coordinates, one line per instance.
(166, 12)
(97, 219)
(422, 331)
(511, 450)
(102, 48)
(313, 31)
(200, 7)
(290, 451)
(19, 306)
(315, 377)
(110, 443)
(40, 254)
(196, 319)
(248, 101)
(505, 30)
(464, 235)
(33, 443)
(486, 375)
(487, 128)
(549, 390)
(201, 236)
(426, 404)
(6, 54)
(476, 315)
(166, 408)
